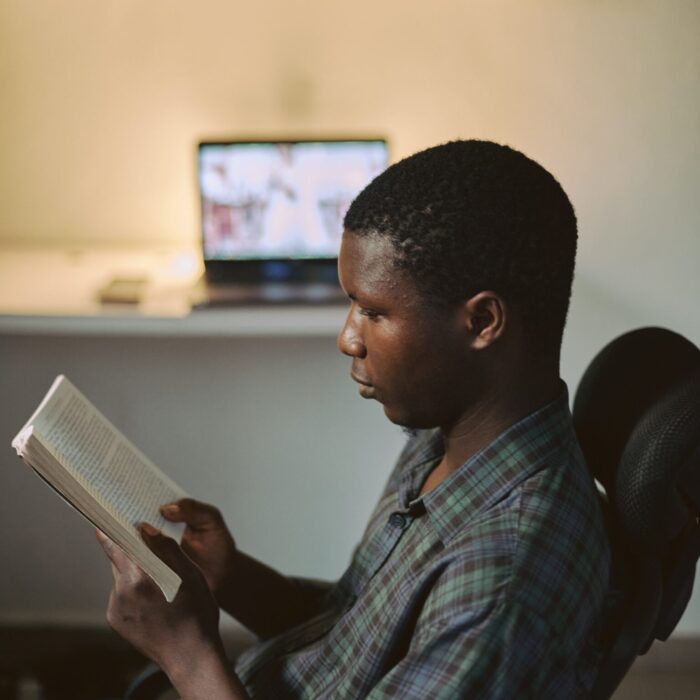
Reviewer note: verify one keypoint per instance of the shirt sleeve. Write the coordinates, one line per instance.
(503, 653)
(312, 589)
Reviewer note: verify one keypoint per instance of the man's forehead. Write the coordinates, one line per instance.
(368, 250)
(369, 259)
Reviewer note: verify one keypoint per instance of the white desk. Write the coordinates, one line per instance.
(54, 291)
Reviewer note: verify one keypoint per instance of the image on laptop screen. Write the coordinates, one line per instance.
(281, 200)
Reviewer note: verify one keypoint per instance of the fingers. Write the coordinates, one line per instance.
(197, 515)
(123, 569)
(129, 580)
(168, 550)
(120, 562)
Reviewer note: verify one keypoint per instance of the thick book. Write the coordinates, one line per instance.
(99, 472)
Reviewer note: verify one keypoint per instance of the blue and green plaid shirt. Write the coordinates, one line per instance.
(491, 585)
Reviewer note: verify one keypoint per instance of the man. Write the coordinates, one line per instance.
(483, 570)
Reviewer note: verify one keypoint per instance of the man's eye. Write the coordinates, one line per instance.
(370, 314)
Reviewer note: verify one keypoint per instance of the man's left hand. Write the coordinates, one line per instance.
(175, 635)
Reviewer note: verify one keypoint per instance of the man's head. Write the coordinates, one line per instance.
(459, 232)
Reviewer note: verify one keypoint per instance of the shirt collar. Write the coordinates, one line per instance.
(487, 476)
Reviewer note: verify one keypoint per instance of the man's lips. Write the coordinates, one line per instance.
(366, 389)
(360, 380)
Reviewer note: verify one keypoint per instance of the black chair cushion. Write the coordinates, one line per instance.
(656, 493)
(622, 381)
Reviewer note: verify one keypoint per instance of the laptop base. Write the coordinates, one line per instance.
(217, 295)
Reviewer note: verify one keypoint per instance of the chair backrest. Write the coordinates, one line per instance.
(637, 418)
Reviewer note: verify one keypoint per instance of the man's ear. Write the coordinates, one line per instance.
(485, 317)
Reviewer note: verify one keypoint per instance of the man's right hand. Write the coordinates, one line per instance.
(206, 540)
(260, 598)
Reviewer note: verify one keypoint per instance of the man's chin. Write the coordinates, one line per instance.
(403, 421)
(409, 424)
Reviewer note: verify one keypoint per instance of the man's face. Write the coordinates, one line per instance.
(405, 354)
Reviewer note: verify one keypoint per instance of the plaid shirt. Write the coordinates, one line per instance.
(491, 585)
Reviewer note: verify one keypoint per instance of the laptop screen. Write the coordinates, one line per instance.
(282, 200)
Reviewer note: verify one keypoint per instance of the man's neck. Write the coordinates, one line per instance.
(482, 424)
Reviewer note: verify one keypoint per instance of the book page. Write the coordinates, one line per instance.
(110, 467)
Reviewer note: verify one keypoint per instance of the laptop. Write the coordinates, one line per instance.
(272, 216)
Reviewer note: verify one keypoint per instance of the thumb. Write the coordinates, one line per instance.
(168, 551)
(197, 515)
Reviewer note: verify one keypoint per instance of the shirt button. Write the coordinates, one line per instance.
(397, 520)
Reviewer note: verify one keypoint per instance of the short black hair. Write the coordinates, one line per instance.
(469, 216)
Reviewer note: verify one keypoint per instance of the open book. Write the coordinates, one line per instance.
(78, 452)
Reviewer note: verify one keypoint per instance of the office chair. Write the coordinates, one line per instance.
(637, 417)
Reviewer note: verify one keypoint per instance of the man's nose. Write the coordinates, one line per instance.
(349, 339)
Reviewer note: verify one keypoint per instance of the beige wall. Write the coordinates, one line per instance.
(102, 103)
